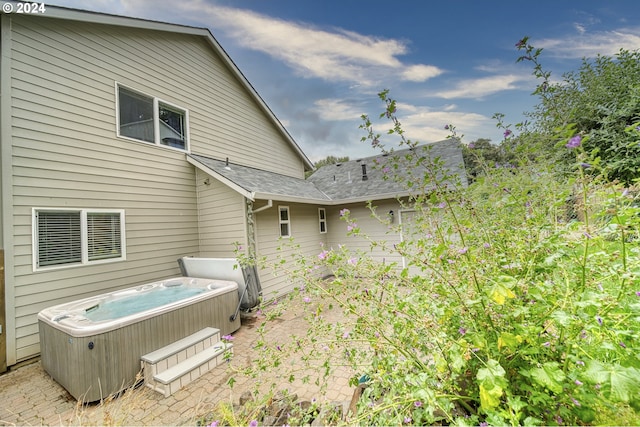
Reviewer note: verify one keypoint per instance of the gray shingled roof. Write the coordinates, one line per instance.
(344, 181)
(262, 183)
(337, 183)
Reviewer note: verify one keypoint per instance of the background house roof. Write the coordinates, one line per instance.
(344, 181)
(339, 183)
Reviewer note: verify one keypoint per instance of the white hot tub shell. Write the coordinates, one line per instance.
(92, 347)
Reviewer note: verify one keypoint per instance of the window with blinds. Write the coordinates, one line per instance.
(103, 236)
(64, 237)
(59, 238)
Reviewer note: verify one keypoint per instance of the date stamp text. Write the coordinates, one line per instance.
(24, 7)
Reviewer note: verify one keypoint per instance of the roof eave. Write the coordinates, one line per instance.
(292, 199)
(226, 181)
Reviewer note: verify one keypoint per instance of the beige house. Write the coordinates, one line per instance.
(126, 144)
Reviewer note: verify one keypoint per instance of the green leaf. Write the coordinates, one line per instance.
(619, 383)
(501, 290)
(549, 375)
(509, 340)
(492, 383)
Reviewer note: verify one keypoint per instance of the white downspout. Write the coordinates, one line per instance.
(265, 207)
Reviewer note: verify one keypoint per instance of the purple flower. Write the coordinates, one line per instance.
(227, 338)
(580, 363)
(442, 205)
(278, 348)
(213, 424)
(574, 142)
(507, 133)
(484, 424)
(253, 423)
(345, 335)
(463, 251)
(578, 382)
(417, 404)
(638, 293)
(599, 319)
(323, 255)
(353, 261)
(407, 420)
(585, 165)
(307, 299)
(487, 245)
(344, 212)
(547, 344)
(471, 145)
(462, 331)
(623, 345)
(352, 226)
(446, 127)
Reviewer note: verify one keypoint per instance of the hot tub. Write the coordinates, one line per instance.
(92, 347)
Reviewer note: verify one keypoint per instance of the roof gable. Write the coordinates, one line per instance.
(57, 12)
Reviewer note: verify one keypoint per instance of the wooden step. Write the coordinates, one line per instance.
(178, 376)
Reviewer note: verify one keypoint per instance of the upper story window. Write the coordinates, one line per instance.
(67, 237)
(145, 118)
(285, 221)
(322, 218)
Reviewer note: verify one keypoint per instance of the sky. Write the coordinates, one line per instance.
(319, 64)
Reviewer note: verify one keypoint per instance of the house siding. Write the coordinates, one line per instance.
(221, 225)
(65, 153)
(305, 241)
(372, 227)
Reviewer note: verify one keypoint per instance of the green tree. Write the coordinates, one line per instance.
(602, 101)
(330, 160)
(482, 154)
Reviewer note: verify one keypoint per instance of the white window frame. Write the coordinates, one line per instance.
(156, 120)
(282, 221)
(84, 237)
(322, 220)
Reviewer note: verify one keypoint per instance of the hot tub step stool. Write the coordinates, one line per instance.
(172, 367)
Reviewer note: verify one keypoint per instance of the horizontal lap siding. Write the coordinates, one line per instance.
(304, 231)
(372, 227)
(222, 219)
(66, 153)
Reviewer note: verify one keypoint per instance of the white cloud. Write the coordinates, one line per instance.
(334, 55)
(588, 44)
(337, 110)
(481, 87)
(330, 54)
(420, 73)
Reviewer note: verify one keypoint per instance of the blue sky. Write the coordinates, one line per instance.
(319, 64)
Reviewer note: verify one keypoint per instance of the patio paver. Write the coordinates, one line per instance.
(29, 396)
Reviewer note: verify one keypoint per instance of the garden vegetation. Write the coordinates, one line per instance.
(519, 301)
